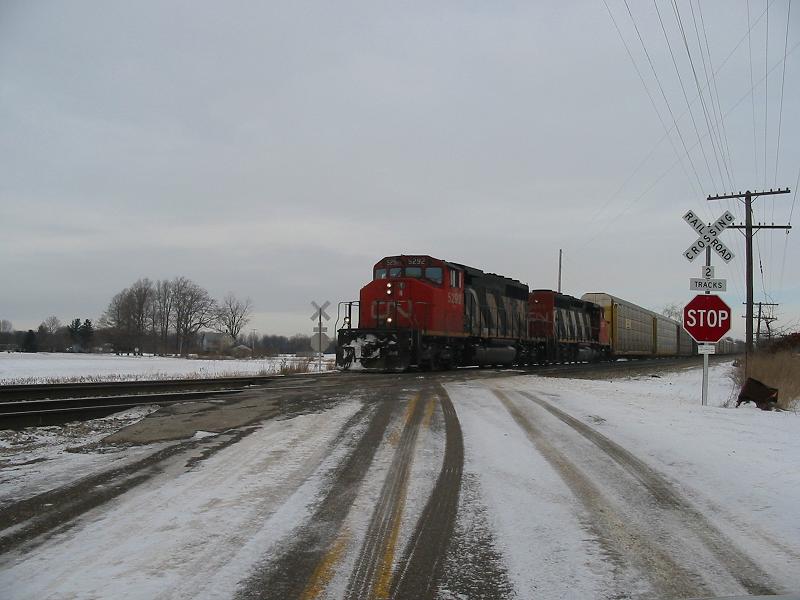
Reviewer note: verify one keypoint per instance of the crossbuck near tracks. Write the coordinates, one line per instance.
(708, 236)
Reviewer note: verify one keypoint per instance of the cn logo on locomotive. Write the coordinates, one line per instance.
(381, 310)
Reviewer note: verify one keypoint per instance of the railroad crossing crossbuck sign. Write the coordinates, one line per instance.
(320, 341)
(709, 236)
(706, 318)
(320, 313)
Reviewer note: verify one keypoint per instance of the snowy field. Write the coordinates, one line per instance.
(16, 367)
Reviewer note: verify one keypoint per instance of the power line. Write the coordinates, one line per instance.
(722, 134)
(683, 89)
(786, 239)
(663, 94)
(655, 108)
(709, 87)
(679, 159)
(752, 89)
(783, 80)
(599, 230)
(766, 95)
(716, 89)
(778, 143)
(699, 89)
(745, 36)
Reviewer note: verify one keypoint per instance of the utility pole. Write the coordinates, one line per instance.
(767, 318)
(748, 197)
(758, 327)
(559, 270)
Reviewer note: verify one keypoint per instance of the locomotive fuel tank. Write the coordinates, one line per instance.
(496, 355)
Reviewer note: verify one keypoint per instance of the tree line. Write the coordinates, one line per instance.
(165, 316)
(169, 316)
(51, 336)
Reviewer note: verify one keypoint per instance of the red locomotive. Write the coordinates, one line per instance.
(429, 313)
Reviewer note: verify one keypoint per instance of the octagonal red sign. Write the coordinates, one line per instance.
(706, 318)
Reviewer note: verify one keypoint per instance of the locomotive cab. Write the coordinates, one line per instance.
(409, 299)
(411, 292)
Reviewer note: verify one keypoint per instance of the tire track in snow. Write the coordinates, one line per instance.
(667, 577)
(738, 564)
(28, 519)
(372, 573)
(289, 575)
(422, 566)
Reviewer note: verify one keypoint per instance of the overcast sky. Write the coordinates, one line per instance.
(278, 150)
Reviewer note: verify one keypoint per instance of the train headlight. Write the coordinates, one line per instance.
(388, 319)
(388, 285)
(389, 292)
(347, 320)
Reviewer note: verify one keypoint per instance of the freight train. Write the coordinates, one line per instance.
(420, 311)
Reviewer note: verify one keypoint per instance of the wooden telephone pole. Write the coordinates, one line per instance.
(559, 270)
(766, 318)
(748, 197)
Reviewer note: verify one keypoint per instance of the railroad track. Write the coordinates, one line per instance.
(38, 391)
(44, 404)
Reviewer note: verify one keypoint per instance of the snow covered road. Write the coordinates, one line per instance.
(442, 486)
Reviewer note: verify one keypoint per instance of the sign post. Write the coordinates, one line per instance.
(708, 240)
(319, 340)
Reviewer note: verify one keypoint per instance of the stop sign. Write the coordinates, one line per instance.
(706, 318)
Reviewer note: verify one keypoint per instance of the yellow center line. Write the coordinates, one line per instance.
(428, 415)
(383, 581)
(326, 568)
(412, 404)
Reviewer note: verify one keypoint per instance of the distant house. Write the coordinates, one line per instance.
(215, 343)
(241, 351)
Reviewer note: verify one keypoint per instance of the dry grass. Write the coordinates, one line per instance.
(290, 366)
(779, 370)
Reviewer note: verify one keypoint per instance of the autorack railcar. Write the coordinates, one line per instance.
(637, 332)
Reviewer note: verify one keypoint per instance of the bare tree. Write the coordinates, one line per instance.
(6, 333)
(232, 315)
(162, 311)
(673, 310)
(194, 309)
(52, 324)
(48, 331)
(118, 318)
(141, 296)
